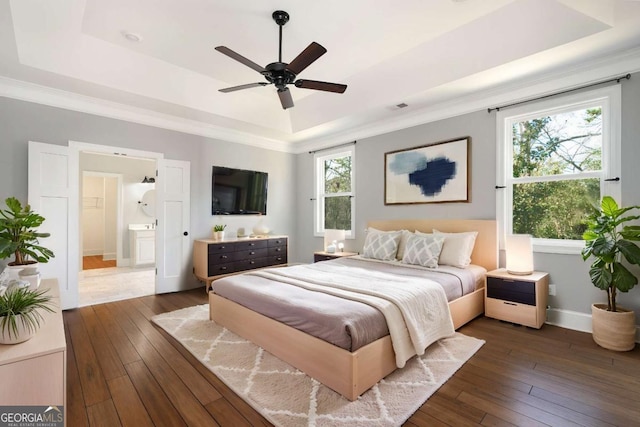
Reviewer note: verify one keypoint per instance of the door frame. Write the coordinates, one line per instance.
(75, 148)
(119, 219)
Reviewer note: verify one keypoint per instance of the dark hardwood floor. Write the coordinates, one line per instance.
(123, 370)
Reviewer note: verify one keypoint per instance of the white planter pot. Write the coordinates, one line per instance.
(14, 270)
(7, 336)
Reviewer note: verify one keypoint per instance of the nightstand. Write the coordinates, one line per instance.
(517, 299)
(325, 256)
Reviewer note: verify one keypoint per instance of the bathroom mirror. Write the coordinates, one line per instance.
(149, 203)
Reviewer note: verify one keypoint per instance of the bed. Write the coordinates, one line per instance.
(352, 372)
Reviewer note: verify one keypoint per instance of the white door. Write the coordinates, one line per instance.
(172, 233)
(52, 194)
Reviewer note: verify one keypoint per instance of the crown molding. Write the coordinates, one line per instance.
(31, 92)
(587, 72)
(571, 77)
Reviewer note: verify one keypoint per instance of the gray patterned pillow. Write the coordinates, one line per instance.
(382, 245)
(423, 249)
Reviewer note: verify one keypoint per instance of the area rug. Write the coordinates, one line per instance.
(288, 397)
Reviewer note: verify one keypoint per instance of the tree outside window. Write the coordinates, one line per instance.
(334, 175)
(554, 159)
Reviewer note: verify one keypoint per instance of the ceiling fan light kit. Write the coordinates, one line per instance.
(281, 74)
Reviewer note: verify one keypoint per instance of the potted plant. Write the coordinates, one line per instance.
(608, 242)
(20, 315)
(218, 231)
(19, 236)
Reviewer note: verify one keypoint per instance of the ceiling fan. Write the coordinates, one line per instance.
(280, 73)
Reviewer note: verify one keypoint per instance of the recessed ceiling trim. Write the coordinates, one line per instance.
(31, 92)
(628, 61)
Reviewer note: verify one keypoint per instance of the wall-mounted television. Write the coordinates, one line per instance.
(238, 192)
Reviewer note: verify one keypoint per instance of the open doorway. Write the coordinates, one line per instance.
(117, 228)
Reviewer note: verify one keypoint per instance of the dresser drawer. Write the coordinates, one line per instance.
(277, 250)
(280, 241)
(277, 259)
(251, 254)
(222, 257)
(249, 264)
(222, 247)
(223, 268)
(251, 244)
(518, 291)
(522, 314)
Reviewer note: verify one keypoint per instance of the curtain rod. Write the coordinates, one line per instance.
(332, 147)
(616, 79)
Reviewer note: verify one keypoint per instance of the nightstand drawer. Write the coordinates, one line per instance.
(521, 314)
(518, 291)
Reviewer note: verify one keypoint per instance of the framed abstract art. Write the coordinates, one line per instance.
(434, 173)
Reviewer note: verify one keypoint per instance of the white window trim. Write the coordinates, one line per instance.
(610, 97)
(318, 208)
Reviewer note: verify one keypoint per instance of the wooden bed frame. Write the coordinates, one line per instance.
(353, 373)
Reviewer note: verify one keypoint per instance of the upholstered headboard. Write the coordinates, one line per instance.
(485, 251)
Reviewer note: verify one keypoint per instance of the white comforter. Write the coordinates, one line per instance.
(416, 309)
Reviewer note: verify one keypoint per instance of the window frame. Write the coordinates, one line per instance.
(319, 185)
(610, 99)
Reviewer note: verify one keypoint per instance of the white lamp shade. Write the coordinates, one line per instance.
(332, 235)
(519, 254)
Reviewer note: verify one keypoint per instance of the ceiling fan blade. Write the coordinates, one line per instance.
(306, 58)
(325, 86)
(285, 98)
(247, 86)
(233, 55)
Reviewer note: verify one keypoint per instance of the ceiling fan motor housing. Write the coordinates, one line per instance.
(278, 74)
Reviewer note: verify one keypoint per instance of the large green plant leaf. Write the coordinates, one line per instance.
(631, 232)
(604, 247)
(630, 251)
(623, 279)
(601, 277)
(608, 206)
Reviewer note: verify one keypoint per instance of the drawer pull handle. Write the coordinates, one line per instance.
(252, 262)
(509, 303)
(252, 244)
(252, 253)
(223, 268)
(278, 250)
(223, 257)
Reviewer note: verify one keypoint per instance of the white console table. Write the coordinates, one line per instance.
(34, 372)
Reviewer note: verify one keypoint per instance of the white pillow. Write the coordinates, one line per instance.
(404, 237)
(382, 245)
(457, 248)
(423, 249)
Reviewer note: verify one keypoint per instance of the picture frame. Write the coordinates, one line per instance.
(432, 173)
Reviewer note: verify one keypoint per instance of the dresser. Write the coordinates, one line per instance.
(213, 259)
(34, 372)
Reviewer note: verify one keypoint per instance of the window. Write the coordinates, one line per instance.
(556, 160)
(335, 190)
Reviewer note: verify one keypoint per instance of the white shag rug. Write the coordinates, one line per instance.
(288, 397)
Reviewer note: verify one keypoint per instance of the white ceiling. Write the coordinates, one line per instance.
(438, 56)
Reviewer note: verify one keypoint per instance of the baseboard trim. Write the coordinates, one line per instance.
(574, 320)
(92, 252)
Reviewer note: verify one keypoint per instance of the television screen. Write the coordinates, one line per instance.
(238, 192)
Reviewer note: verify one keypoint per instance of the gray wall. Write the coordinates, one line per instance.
(21, 122)
(568, 272)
